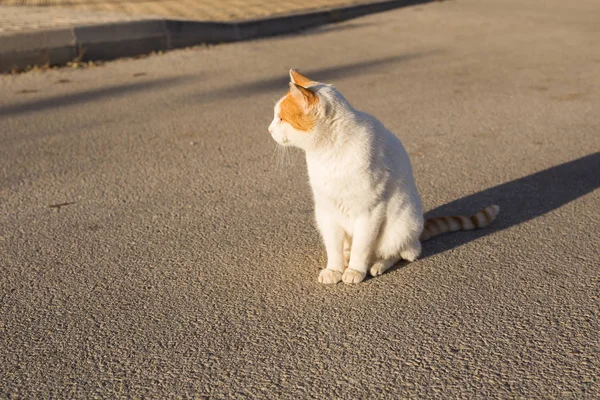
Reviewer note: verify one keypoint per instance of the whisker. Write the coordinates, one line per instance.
(286, 156)
(291, 156)
(274, 153)
(281, 156)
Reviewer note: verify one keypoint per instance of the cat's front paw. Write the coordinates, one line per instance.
(353, 276)
(330, 276)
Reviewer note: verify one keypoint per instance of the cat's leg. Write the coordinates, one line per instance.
(383, 265)
(411, 251)
(366, 229)
(333, 237)
(347, 247)
(388, 254)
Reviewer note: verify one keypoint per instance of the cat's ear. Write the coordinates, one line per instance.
(305, 97)
(299, 79)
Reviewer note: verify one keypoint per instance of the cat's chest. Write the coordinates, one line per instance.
(332, 180)
(342, 189)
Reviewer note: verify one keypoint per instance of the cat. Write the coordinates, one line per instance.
(367, 207)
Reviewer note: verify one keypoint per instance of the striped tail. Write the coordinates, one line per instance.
(437, 226)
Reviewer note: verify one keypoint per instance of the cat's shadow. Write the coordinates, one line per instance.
(520, 200)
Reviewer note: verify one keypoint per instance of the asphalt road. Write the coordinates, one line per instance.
(154, 244)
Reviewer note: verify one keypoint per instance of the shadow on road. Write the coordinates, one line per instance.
(327, 75)
(324, 29)
(87, 96)
(520, 200)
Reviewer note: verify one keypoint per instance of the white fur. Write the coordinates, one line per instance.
(363, 186)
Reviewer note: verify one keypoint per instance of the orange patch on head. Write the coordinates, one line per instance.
(292, 111)
(299, 79)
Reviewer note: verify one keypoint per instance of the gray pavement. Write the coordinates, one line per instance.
(154, 244)
(32, 37)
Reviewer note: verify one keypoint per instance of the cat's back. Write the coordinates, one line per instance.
(385, 147)
(368, 158)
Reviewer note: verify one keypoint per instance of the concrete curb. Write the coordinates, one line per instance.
(126, 39)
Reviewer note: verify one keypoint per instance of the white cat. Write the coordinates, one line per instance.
(367, 206)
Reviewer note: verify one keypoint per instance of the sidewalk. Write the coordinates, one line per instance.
(15, 20)
(54, 32)
(52, 11)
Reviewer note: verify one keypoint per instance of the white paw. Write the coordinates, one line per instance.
(330, 276)
(353, 276)
(411, 253)
(409, 256)
(378, 268)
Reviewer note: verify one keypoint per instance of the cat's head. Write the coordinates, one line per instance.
(299, 115)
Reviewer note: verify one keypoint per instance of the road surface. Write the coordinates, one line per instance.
(155, 244)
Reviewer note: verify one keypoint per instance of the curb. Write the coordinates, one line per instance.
(127, 39)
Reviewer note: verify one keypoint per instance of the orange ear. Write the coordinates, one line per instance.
(303, 96)
(299, 79)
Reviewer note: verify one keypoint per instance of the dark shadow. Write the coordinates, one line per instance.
(65, 100)
(280, 83)
(520, 200)
(334, 28)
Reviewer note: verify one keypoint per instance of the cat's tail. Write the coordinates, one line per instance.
(437, 226)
